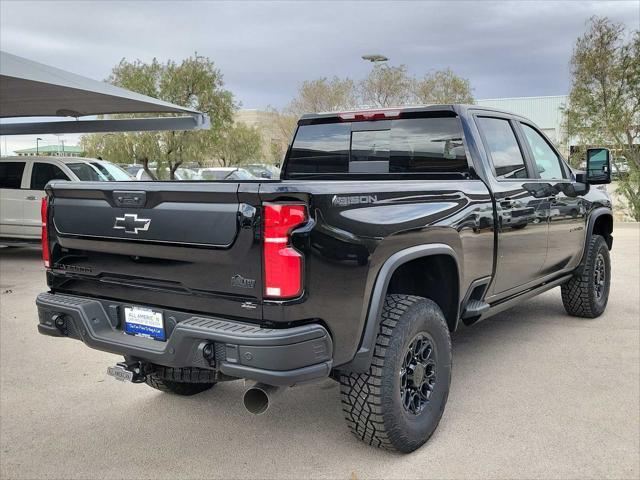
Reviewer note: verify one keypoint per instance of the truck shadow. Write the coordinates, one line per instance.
(21, 252)
(308, 418)
(212, 430)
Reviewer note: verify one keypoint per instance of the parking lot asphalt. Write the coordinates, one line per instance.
(535, 394)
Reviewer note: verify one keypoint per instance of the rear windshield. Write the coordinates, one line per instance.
(412, 145)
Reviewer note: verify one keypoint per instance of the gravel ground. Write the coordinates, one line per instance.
(535, 394)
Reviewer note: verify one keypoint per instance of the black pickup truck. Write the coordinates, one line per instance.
(387, 231)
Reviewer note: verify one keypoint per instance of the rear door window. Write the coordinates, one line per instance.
(412, 145)
(504, 150)
(42, 173)
(11, 174)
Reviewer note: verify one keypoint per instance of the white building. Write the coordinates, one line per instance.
(545, 112)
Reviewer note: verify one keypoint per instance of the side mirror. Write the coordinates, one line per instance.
(598, 166)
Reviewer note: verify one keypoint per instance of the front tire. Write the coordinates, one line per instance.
(180, 381)
(587, 293)
(398, 403)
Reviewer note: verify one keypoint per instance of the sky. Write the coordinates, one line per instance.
(265, 50)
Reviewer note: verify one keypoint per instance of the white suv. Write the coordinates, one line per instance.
(22, 182)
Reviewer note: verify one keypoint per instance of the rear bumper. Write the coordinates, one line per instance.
(273, 356)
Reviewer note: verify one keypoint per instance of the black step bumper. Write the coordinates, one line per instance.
(273, 356)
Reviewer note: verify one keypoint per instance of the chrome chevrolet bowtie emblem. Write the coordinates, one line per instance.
(130, 223)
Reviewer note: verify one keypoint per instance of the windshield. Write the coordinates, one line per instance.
(187, 174)
(262, 171)
(111, 171)
(240, 174)
(216, 174)
(256, 169)
(86, 172)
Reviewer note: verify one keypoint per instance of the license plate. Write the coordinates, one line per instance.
(120, 373)
(144, 322)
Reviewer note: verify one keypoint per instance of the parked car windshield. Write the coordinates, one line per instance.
(86, 172)
(111, 171)
(263, 171)
(187, 174)
(240, 175)
(214, 174)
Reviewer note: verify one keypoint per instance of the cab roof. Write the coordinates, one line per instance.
(48, 158)
(394, 112)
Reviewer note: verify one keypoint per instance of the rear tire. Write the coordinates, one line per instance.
(398, 403)
(587, 293)
(180, 381)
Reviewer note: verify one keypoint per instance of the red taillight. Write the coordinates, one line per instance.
(45, 236)
(282, 263)
(369, 115)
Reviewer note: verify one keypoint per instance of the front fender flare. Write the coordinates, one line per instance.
(595, 214)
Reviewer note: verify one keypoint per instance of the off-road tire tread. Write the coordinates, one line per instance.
(181, 381)
(577, 294)
(361, 392)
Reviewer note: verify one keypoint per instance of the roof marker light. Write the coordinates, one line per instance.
(366, 115)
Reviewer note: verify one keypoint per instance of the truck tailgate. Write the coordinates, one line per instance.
(183, 245)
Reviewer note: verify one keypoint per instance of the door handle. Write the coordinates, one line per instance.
(31, 197)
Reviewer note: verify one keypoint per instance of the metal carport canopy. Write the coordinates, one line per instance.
(32, 89)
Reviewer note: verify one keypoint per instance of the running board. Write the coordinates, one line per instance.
(516, 299)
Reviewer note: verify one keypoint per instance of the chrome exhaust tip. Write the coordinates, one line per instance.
(257, 398)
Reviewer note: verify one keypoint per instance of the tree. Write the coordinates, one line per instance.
(629, 189)
(123, 147)
(323, 95)
(604, 102)
(194, 83)
(283, 125)
(320, 95)
(239, 144)
(387, 86)
(442, 87)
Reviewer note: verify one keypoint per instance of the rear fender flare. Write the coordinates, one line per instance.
(362, 358)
